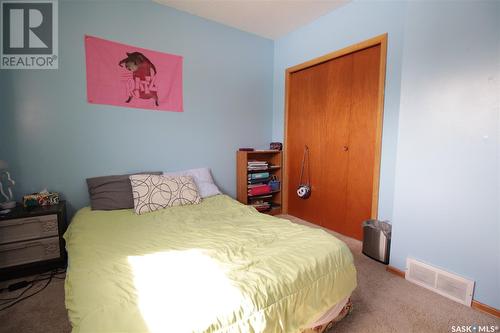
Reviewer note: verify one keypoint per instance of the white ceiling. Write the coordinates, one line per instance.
(267, 18)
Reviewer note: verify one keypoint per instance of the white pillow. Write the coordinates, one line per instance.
(153, 192)
(203, 179)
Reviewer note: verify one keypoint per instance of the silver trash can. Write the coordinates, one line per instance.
(377, 240)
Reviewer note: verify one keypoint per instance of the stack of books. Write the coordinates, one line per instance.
(258, 183)
(258, 178)
(257, 165)
(258, 186)
(261, 205)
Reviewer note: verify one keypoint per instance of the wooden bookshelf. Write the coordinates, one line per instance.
(273, 157)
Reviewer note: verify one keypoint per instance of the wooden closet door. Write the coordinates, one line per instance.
(318, 115)
(362, 140)
(333, 108)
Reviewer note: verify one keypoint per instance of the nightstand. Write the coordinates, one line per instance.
(31, 240)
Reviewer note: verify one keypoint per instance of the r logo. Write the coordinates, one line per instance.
(29, 28)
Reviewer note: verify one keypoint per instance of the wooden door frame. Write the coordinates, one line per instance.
(378, 40)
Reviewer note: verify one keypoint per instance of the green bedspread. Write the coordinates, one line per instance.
(214, 267)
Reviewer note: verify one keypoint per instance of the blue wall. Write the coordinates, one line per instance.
(53, 138)
(440, 150)
(447, 176)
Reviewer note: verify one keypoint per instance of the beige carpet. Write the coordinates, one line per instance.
(383, 303)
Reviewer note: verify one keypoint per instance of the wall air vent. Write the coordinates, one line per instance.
(444, 283)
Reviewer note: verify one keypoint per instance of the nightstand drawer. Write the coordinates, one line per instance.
(28, 228)
(31, 251)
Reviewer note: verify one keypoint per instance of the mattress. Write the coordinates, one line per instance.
(219, 266)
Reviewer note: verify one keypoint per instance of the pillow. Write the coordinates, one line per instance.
(153, 192)
(203, 179)
(112, 192)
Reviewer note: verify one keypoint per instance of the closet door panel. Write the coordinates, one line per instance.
(362, 139)
(306, 124)
(319, 104)
(334, 164)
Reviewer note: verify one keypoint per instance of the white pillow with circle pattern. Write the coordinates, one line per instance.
(153, 192)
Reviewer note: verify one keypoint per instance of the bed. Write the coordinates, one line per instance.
(218, 266)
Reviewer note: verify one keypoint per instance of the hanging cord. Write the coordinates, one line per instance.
(305, 160)
(9, 302)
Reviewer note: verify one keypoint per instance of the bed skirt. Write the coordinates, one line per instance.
(323, 328)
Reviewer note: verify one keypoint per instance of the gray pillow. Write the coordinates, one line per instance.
(112, 192)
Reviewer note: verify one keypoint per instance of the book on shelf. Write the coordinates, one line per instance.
(257, 165)
(259, 181)
(258, 201)
(259, 189)
(259, 175)
(261, 205)
(263, 208)
(255, 162)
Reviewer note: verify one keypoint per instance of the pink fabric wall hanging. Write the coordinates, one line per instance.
(123, 75)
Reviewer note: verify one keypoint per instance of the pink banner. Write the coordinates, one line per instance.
(123, 75)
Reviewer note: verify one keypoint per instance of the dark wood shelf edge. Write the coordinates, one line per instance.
(268, 151)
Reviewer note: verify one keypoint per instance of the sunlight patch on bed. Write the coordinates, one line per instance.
(183, 291)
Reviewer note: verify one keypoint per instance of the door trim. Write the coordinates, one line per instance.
(378, 40)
